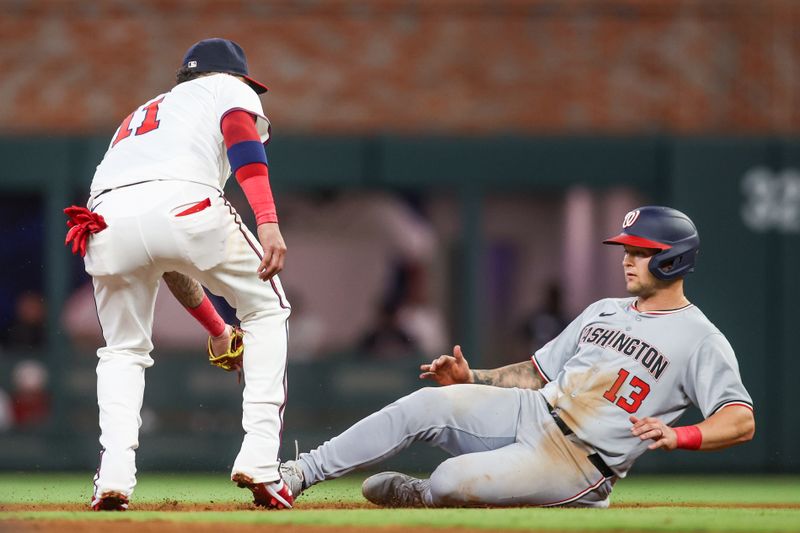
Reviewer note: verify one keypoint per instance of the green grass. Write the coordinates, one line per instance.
(642, 490)
(708, 489)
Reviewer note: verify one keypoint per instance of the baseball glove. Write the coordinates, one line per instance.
(232, 359)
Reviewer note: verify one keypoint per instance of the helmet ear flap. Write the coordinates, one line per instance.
(673, 263)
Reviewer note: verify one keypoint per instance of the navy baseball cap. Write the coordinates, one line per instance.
(220, 55)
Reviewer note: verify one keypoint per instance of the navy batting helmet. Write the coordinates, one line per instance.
(667, 230)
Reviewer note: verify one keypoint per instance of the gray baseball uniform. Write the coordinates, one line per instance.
(610, 362)
(613, 361)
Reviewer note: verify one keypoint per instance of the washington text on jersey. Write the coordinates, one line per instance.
(648, 355)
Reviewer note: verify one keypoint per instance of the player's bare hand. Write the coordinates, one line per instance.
(649, 428)
(448, 369)
(269, 235)
(220, 345)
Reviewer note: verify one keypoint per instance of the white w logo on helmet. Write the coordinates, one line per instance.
(630, 218)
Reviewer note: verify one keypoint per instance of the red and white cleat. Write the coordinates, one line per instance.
(274, 495)
(110, 501)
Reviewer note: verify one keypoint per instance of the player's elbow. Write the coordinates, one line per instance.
(747, 428)
(751, 430)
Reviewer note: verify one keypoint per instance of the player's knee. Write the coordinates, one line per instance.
(428, 401)
(417, 412)
(442, 398)
(446, 486)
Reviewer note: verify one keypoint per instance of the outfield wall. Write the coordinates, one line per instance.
(453, 66)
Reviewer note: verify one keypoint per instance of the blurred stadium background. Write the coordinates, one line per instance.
(444, 173)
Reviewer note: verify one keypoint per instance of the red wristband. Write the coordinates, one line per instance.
(689, 437)
(208, 317)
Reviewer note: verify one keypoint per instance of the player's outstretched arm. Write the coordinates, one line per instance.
(189, 292)
(731, 425)
(521, 375)
(186, 290)
(453, 369)
(448, 369)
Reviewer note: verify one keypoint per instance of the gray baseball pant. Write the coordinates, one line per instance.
(507, 449)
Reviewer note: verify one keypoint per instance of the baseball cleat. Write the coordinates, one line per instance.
(393, 489)
(292, 475)
(272, 495)
(110, 501)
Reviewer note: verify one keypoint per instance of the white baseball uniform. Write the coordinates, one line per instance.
(510, 449)
(159, 188)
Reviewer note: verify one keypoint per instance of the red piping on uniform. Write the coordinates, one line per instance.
(538, 369)
(97, 472)
(282, 408)
(664, 312)
(573, 498)
(737, 403)
(254, 247)
(743, 404)
(280, 298)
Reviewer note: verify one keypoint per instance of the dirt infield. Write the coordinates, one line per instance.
(176, 506)
(165, 526)
(155, 526)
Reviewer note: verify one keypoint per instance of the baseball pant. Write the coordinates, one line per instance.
(507, 449)
(143, 240)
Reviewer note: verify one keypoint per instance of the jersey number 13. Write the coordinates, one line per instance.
(630, 404)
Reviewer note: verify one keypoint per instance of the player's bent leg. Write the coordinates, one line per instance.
(120, 388)
(547, 470)
(125, 307)
(263, 311)
(264, 396)
(458, 419)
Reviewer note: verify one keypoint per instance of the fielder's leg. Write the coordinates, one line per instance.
(263, 311)
(264, 396)
(125, 285)
(125, 308)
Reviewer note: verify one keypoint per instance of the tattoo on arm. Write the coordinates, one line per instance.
(522, 375)
(186, 290)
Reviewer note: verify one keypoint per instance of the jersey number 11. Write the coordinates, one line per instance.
(149, 123)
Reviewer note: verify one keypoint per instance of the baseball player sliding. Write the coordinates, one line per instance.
(561, 428)
(156, 207)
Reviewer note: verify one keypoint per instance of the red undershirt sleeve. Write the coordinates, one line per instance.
(239, 127)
